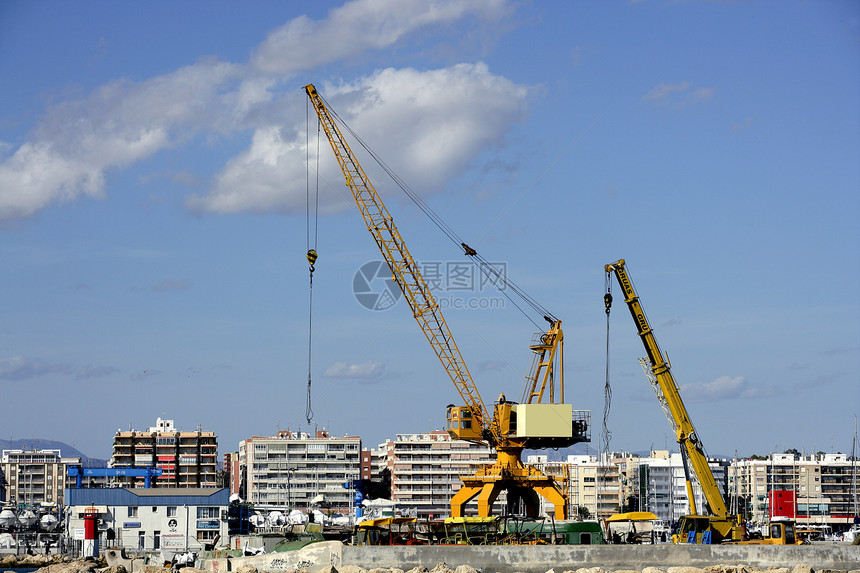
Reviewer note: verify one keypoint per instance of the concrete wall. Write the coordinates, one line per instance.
(539, 559)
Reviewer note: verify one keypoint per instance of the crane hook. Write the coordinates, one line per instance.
(312, 258)
(607, 301)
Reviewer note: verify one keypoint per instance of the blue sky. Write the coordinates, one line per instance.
(153, 221)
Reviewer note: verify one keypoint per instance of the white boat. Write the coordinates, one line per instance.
(7, 541)
(297, 517)
(8, 519)
(852, 533)
(27, 518)
(48, 522)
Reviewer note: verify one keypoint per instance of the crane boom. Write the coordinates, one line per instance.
(691, 446)
(512, 427)
(405, 271)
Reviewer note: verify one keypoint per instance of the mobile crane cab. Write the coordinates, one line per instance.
(780, 531)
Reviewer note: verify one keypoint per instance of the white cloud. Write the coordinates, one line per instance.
(89, 372)
(426, 125)
(723, 388)
(661, 91)
(122, 122)
(144, 374)
(118, 124)
(17, 368)
(268, 176)
(303, 44)
(363, 371)
(677, 95)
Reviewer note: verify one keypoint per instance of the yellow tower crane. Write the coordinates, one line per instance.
(539, 422)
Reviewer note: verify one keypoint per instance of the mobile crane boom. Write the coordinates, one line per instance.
(513, 427)
(721, 523)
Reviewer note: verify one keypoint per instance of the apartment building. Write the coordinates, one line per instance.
(822, 487)
(426, 468)
(36, 477)
(819, 488)
(296, 470)
(661, 485)
(186, 459)
(592, 487)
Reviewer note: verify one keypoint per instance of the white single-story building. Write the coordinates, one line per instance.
(178, 519)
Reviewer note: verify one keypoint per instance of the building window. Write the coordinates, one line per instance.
(132, 511)
(207, 534)
(171, 511)
(207, 513)
(156, 540)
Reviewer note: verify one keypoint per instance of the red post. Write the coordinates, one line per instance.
(91, 532)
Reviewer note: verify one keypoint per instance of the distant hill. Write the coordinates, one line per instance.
(66, 450)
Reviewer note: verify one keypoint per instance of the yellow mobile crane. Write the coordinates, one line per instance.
(718, 524)
(513, 427)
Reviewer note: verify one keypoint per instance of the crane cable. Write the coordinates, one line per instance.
(312, 252)
(607, 389)
(491, 272)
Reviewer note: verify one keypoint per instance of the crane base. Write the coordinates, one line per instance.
(523, 484)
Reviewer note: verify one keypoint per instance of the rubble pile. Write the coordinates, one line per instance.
(19, 561)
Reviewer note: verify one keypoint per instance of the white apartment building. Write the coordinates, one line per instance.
(661, 486)
(814, 489)
(823, 487)
(595, 486)
(294, 470)
(34, 477)
(602, 487)
(426, 469)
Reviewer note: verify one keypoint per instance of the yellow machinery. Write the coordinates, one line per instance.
(718, 525)
(539, 422)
